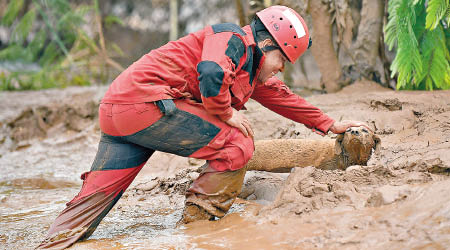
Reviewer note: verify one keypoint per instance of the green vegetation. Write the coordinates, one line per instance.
(51, 47)
(420, 31)
(54, 43)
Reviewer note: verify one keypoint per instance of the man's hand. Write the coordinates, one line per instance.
(341, 127)
(241, 122)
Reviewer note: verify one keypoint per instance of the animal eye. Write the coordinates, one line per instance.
(365, 130)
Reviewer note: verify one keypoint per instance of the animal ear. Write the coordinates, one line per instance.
(338, 144)
(377, 144)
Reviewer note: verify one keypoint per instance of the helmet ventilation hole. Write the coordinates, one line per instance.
(288, 28)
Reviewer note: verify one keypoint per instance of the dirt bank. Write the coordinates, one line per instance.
(48, 138)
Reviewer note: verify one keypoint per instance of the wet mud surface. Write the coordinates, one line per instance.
(398, 201)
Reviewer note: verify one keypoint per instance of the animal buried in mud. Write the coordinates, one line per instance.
(353, 147)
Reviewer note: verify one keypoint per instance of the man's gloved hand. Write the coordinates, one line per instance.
(241, 122)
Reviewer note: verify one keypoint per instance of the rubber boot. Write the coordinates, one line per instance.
(212, 194)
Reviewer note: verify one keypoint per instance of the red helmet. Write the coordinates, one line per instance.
(288, 28)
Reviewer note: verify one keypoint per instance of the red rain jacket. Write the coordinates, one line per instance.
(219, 67)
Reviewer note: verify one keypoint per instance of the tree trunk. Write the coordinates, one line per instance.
(322, 48)
(173, 35)
(240, 12)
(366, 48)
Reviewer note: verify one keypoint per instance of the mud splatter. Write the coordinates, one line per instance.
(398, 201)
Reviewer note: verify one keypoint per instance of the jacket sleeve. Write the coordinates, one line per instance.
(276, 96)
(223, 53)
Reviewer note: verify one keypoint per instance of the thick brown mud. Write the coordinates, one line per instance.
(398, 201)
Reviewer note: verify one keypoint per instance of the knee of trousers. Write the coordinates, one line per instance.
(240, 150)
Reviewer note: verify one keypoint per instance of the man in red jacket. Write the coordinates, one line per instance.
(184, 98)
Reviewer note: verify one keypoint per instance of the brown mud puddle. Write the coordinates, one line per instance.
(399, 201)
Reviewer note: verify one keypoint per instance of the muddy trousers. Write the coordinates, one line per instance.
(130, 135)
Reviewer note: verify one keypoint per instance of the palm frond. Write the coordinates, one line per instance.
(23, 28)
(15, 52)
(52, 29)
(436, 10)
(111, 19)
(447, 16)
(12, 10)
(53, 45)
(390, 31)
(50, 54)
(38, 42)
(419, 25)
(57, 6)
(407, 61)
(435, 63)
(447, 42)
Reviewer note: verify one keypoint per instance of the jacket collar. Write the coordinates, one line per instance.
(250, 35)
(258, 55)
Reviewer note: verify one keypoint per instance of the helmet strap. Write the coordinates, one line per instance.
(257, 25)
(273, 47)
(270, 48)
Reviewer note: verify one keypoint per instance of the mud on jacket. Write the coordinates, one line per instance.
(219, 67)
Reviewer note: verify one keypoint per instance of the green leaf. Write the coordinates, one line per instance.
(86, 40)
(390, 31)
(436, 11)
(447, 16)
(111, 19)
(59, 6)
(52, 46)
(15, 52)
(429, 84)
(23, 28)
(54, 33)
(117, 49)
(407, 61)
(419, 25)
(50, 55)
(70, 20)
(447, 80)
(435, 63)
(12, 10)
(38, 43)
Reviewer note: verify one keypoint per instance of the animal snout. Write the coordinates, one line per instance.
(357, 131)
(353, 131)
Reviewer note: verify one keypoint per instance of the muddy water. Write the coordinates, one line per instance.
(399, 201)
(35, 183)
